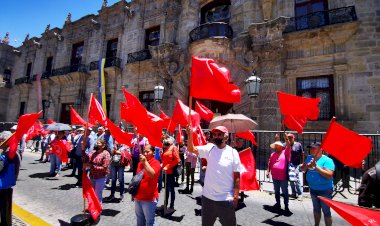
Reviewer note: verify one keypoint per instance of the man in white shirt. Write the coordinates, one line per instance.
(221, 189)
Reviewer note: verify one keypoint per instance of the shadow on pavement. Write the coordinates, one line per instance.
(63, 223)
(110, 212)
(175, 218)
(277, 223)
(65, 187)
(277, 211)
(240, 206)
(39, 175)
(33, 163)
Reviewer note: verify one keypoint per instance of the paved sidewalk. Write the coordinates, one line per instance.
(56, 200)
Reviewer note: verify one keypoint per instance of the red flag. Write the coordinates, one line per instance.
(347, 146)
(181, 115)
(248, 136)
(179, 134)
(210, 81)
(94, 205)
(33, 131)
(60, 148)
(168, 122)
(50, 121)
(353, 214)
(295, 123)
(123, 112)
(42, 131)
(204, 112)
(76, 119)
(199, 138)
(298, 106)
(120, 136)
(24, 123)
(96, 113)
(248, 181)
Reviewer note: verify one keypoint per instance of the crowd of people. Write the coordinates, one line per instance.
(105, 162)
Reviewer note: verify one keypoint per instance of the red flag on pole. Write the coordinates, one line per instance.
(168, 122)
(347, 146)
(181, 115)
(120, 136)
(248, 181)
(248, 136)
(42, 131)
(33, 131)
(24, 123)
(179, 134)
(96, 113)
(298, 106)
(50, 121)
(295, 123)
(353, 214)
(199, 138)
(124, 112)
(210, 81)
(61, 149)
(76, 119)
(94, 206)
(204, 112)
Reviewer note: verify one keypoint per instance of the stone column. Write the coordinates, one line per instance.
(267, 45)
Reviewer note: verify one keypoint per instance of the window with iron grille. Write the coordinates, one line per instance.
(314, 9)
(7, 76)
(111, 48)
(319, 87)
(147, 99)
(216, 11)
(28, 70)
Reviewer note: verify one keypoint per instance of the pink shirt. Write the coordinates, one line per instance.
(278, 165)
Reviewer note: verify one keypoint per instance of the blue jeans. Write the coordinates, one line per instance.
(170, 188)
(296, 185)
(160, 182)
(283, 184)
(117, 172)
(318, 204)
(55, 163)
(98, 185)
(145, 212)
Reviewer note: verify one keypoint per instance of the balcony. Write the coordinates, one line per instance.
(23, 80)
(322, 18)
(69, 69)
(139, 56)
(110, 62)
(46, 75)
(211, 30)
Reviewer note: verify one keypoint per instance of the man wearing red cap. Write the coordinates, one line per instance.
(220, 193)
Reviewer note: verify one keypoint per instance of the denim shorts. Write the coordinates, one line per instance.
(318, 204)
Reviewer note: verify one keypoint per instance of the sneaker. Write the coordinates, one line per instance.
(108, 185)
(78, 184)
(110, 198)
(57, 175)
(293, 196)
(300, 198)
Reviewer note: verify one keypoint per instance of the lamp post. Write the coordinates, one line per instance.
(253, 85)
(2, 82)
(159, 93)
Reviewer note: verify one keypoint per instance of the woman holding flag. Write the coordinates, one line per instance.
(54, 153)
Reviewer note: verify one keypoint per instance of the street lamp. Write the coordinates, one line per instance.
(159, 93)
(2, 82)
(253, 85)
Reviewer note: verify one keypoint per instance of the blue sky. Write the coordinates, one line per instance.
(31, 16)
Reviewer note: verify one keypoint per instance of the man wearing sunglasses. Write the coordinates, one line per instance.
(220, 193)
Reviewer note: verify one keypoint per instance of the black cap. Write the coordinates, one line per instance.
(314, 145)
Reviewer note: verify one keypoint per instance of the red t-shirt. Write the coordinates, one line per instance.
(148, 189)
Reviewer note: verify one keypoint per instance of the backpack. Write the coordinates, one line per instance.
(8, 173)
(135, 183)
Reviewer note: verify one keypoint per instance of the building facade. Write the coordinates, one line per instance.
(313, 48)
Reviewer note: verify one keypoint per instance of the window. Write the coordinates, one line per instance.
(111, 48)
(322, 87)
(152, 37)
(216, 11)
(77, 53)
(28, 70)
(147, 99)
(7, 76)
(49, 64)
(305, 7)
(22, 109)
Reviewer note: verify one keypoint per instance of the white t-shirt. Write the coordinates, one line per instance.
(221, 164)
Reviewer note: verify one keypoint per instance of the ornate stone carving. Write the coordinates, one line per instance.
(68, 19)
(168, 58)
(26, 37)
(6, 39)
(47, 28)
(104, 5)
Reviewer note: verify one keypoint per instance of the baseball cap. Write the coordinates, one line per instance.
(222, 129)
(314, 145)
(273, 145)
(290, 135)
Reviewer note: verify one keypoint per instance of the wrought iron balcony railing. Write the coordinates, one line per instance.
(139, 56)
(46, 75)
(322, 18)
(110, 62)
(23, 80)
(211, 30)
(69, 69)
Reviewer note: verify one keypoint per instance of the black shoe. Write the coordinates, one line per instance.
(191, 191)
(71, 175)
(78, 184)
(277, 206)
(110, 198)
(287, 209)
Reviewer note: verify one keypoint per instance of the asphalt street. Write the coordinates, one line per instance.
(56, 200)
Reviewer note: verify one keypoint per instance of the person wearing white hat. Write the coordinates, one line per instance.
(278, 167)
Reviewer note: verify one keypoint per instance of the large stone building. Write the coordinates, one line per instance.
(313, 48)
